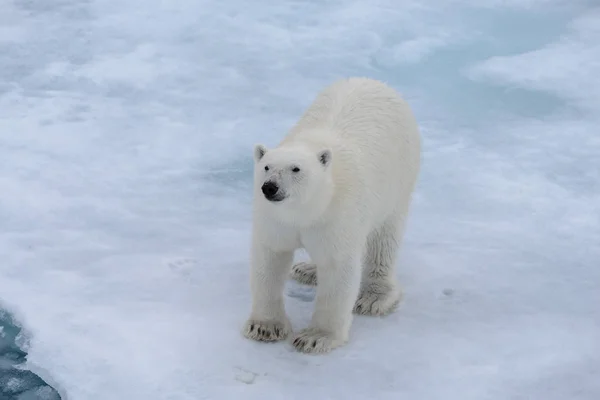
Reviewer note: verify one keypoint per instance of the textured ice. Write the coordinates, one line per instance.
(126, 131)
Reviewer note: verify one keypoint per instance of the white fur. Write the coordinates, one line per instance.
(357, 148)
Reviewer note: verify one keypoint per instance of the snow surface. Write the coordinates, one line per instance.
(126, 133)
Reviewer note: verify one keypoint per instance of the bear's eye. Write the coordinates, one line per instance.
(295, 169)
(266, 167)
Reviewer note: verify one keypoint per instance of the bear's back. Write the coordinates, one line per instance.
(373, 136)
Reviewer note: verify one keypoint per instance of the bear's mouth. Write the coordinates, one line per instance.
(276, 198)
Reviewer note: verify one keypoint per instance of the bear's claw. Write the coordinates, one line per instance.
(315, 341)
(377, 298)
(305, 273)
(266, 331)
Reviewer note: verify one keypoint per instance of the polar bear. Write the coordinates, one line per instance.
(338, 185)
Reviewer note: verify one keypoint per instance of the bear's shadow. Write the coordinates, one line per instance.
(301, 292)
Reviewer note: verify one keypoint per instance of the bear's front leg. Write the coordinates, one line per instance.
(268, 321)
(339, 284)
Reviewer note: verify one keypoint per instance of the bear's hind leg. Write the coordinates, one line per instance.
(380, 292)
(305, 272)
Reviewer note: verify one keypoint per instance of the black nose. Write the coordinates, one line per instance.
(269, 189)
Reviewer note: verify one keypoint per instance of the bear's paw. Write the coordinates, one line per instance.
(266, 331)
(377, 298)
(305, 273)
(315, 341)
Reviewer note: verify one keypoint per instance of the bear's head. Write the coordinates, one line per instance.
(293, 177)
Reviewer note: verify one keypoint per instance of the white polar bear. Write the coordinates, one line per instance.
(339, 185)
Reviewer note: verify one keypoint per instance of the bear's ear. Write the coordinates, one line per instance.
(324, 157)
(259, 152)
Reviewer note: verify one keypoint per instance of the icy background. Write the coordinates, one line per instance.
(126, 133)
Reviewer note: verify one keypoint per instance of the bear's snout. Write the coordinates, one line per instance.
(270, 190)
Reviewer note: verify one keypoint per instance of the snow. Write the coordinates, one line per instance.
(126, 133)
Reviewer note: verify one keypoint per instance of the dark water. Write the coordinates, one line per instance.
(17, 383)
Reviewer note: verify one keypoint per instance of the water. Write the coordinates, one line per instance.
(17, 383)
